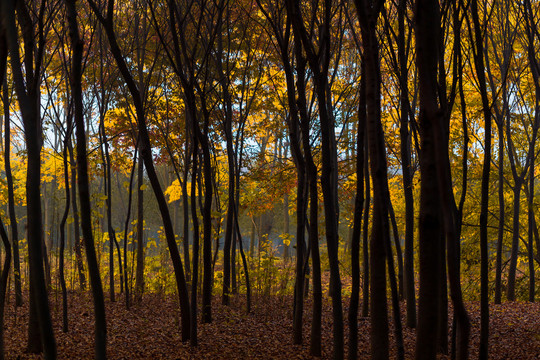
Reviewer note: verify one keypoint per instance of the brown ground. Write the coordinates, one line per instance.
(151, 331)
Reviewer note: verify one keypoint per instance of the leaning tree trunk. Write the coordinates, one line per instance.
(146, 154)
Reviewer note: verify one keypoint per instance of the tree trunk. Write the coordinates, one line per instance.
(500, 232)
(75, 213)
(484, 200)
(195, 249)
(380, 233)
(11, 197)
(83, 182)
(139, 275)
(430, 222)
(357, 221)
(511, 287)
(146, 154)
(28, 95)
(405, 147)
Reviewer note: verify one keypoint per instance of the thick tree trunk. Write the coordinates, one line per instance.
(430, 222)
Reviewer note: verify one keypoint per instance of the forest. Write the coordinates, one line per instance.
(259, 179)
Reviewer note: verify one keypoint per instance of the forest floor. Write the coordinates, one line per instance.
(150, 330)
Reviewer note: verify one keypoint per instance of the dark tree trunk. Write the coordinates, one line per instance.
(397, 244)
(11, 197)
(138, 295)
(357, 221)
(27, 87)
(430, 222)
(532, 31)
(195, 249)
(368, 13)
(500, 232)
(511, 286)
(139, 275)
(319, 64)
(83, 182)
(365, 234)
(146, 154)
(76, 225)
(313, 233)
(5, 240)
(484, 200)
(4, 278)
(67, 140)
(405, 147)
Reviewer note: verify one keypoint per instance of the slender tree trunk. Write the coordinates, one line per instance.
(500, 232)
(28, 94)
(139, 275)
(126, 228)
(405, 147)
(11, 196)
(397, 244)
(67, 139)
(83, 182)
(7, 246)
(532, 31)
(368, 13)
(511, 287)
(76, 226)
(146, 155)
(4, 277)
(313, 233)
(357, 221)
(195, 222)
(484, 200)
